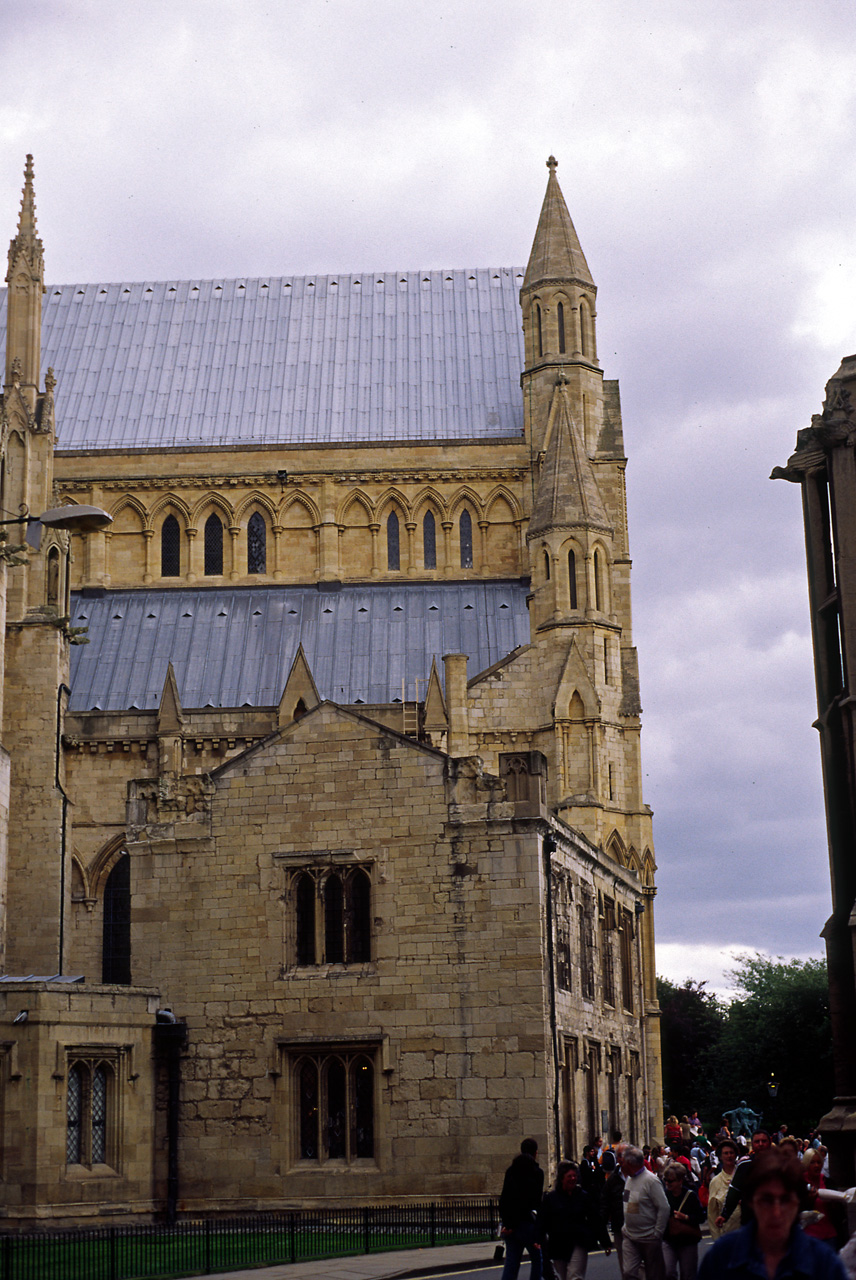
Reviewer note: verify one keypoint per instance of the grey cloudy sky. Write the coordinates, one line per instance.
(705, 153)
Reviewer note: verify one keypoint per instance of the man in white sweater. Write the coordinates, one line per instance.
(646, 1215)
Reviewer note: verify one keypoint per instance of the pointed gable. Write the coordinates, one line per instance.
(300, 693)
(568, 495)
(556, 250)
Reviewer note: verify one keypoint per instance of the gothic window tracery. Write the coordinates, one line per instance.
(90, 1107)
(334, 1093)
(332, 916)
(256, 544)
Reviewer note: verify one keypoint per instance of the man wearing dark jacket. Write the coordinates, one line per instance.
(522, 1190)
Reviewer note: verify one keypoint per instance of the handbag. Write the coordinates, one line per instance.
(683, 1232)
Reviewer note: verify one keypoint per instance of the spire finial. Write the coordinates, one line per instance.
(552, 164)
(27, 219)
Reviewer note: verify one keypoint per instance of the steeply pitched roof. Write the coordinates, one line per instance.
(419, 355)
(556, 250)
(568, 495)
(235, 648)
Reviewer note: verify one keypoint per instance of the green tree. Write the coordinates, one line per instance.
(691, 1025)
(777, 1026)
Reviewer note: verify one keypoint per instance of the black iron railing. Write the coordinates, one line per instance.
(191, 1247)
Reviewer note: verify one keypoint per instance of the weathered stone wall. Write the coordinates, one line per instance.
(111, 1025)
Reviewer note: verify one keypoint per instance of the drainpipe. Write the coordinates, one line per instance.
(170, 1039)
(549, 847)
(63, 688)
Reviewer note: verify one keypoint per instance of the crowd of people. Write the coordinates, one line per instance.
(763, 1199)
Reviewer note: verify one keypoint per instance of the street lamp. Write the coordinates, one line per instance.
(772, 1086)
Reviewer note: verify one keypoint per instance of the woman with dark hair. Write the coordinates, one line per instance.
(773, 1244)
(569, 1224)
(683, 1232)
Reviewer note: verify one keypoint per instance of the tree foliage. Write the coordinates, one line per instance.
(691, 1025)
(777, 1026)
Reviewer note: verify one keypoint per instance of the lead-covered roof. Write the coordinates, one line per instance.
(235, 648)
(409, 356)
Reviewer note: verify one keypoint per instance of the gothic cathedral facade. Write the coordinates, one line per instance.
(323, 850)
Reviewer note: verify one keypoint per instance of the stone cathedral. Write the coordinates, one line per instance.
(325, 871)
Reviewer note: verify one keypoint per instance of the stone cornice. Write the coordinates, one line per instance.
(457, 475)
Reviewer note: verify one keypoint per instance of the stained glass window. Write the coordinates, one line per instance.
(466, 526)
(256, 544)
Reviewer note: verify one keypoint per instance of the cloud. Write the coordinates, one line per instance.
(704, 153)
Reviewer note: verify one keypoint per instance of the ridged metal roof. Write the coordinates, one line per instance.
(235, 648)
(399, 356)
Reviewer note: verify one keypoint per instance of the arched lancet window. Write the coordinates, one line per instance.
(547, 566)
(393, 553)
(307, 1086)
(52, 591)
(362, 1073)
(359, 918)
(74, 1116)
(429, 541)
(560, 315)
(116, 926)
(170, 548)
(213, 546)
(598, 581)
(99, 1116)
(336, 1109)
(466, 527)
(334, 917)
(584, 329)
(539, 330)
(257, 544)
(572, 579)
(304, 911)
(335, 1106)
(299, 709)
(87, 1116)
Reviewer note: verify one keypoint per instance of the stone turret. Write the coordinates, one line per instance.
(558, 298)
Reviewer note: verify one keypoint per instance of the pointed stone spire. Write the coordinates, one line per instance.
(170, 728)
(557, 254)
(25, 278)
(568, 495)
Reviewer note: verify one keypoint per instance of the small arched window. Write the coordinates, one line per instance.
(466, 528)
(547, 566)
(539, 330)
(393, 551)
(560, 315)
(572, 579)
(598, 581)
(213, 546)
(584, 329)
(170, 548)
(52, 598)
(429, 541)
(256, 544)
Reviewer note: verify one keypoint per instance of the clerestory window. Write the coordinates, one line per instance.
(256, 544)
